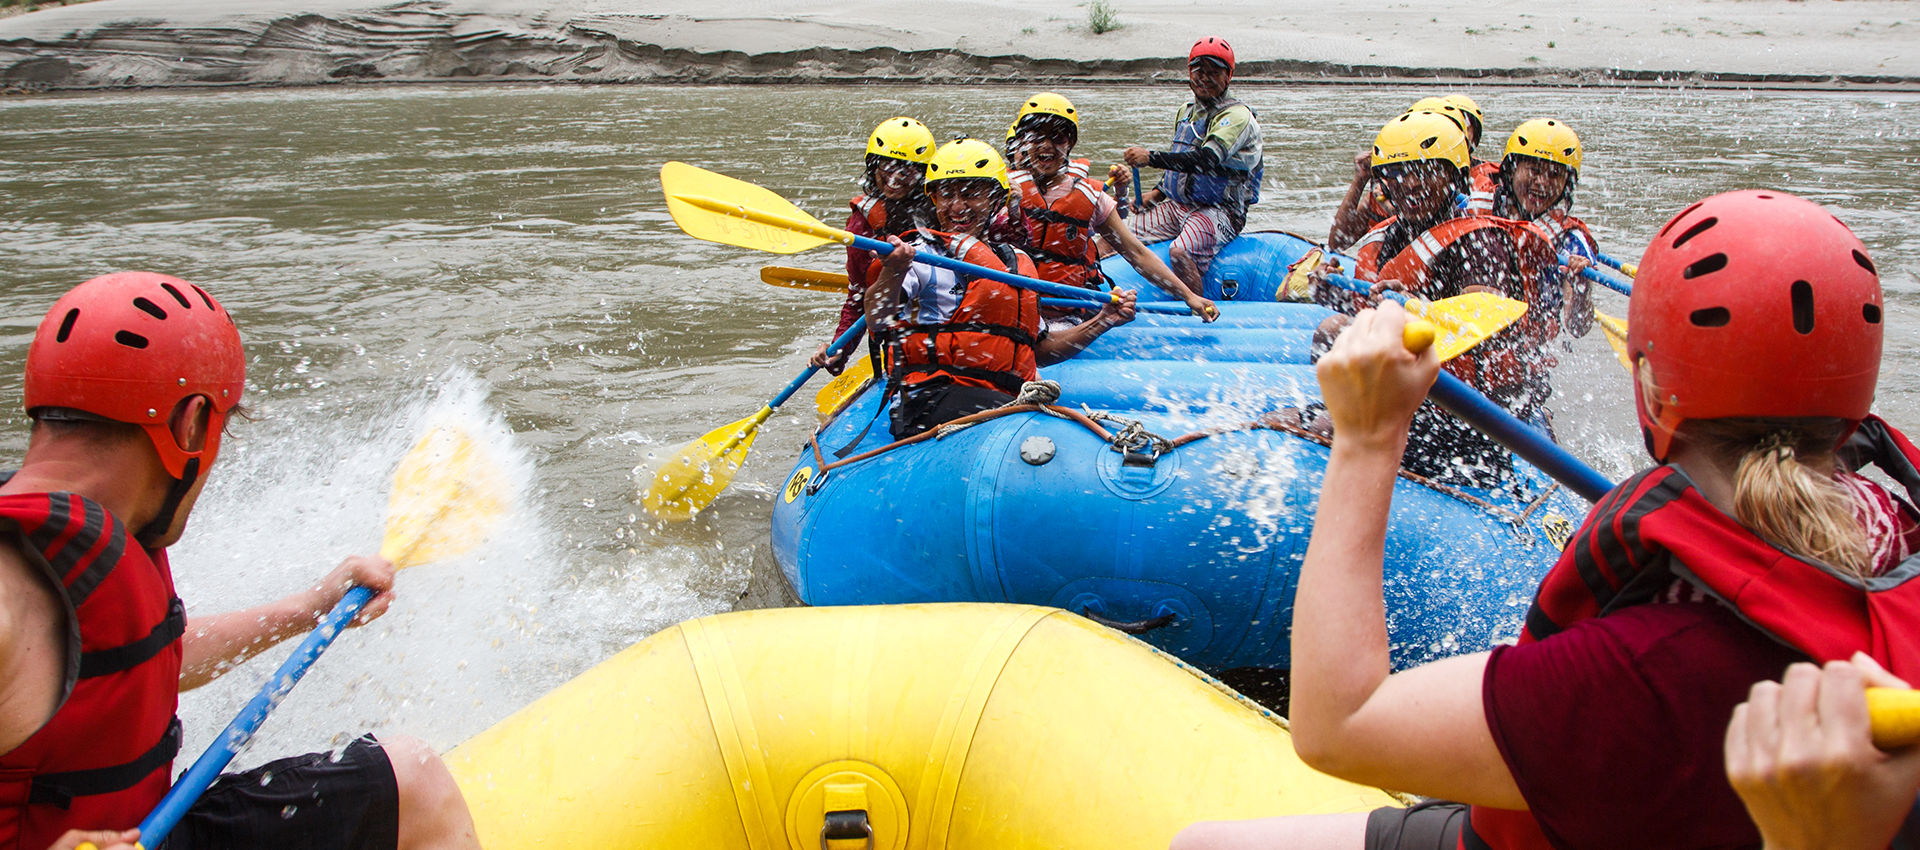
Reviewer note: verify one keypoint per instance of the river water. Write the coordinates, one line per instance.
(501, 257)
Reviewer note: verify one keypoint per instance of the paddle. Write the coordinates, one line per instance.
(1606, 279)
(694, 476)
(1629, 269)
(1464, 321)
(1138, 204)
(813, 279)
(1895, 715)
(446, 494)
(1616, 330)
(718, 208)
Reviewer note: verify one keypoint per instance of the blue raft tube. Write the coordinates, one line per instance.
(1186, 524)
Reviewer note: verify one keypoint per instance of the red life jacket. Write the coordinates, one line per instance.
(988, 340)
(1515, 356)
(1483, 180)
(1655, 528)
(1060, 233)
(104, 759)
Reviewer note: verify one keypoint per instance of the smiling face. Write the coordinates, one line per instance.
(1045, 150)
(965, 205)
(897, 178)
(1538, 184)
(1420, 191)
(1207, 79)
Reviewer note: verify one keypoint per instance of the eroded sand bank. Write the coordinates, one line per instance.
(1760, 43)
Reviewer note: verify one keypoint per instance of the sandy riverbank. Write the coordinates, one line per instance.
(1824, 44)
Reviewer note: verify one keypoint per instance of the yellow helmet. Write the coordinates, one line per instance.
(1546, 139)
(901, 138)
(1467, 107)
(1047, 104)
(964, 158)
(1441, 106)
(1419, 136)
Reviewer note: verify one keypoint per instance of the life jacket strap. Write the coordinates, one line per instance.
(103, 662)
(59, 789)
(1004, 381)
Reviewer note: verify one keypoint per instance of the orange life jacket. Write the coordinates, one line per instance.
(102, 760)
(1060, 233)
(988, 339)
(1483, 180)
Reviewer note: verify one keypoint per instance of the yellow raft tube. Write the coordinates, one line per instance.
(923, 726)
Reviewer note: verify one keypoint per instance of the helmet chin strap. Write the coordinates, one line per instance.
(161, 523)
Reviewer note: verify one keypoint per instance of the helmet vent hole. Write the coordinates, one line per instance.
(1706, 266)
(205, 298)
(66, 325)
(184, 303)
(1695, 230)
(1711, 317)
(149, 308)
(1676, 219)
(1871, 312)
(1431, 140)
(130, 339)
(1861, 259)
(1802, 294)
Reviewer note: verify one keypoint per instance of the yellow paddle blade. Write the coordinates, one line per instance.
(1616, 330)
(447, 493)
(1465, 321)
(720, 209)
(843, 386)
(814, 279)
(694, 476)
(1298, 284)
(1895, 717)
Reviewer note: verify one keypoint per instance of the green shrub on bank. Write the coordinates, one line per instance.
(1102, 17)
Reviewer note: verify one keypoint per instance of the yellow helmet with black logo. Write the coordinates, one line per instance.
(1468, 108)
(1421, 135)
(1441, 106)
(901, 138)
(1546, 139)
(961, 159)
(1046, 105)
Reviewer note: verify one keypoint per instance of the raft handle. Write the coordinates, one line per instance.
(1133, 627)
(846, 826)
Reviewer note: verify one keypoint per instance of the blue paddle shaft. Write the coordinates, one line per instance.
(1606, 279)
(837, 346)
(220, 753)
(1087, 298)
(1610, 261)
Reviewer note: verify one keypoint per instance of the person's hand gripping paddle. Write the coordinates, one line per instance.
(447, 494)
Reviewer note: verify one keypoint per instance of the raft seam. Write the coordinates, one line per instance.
(723, 692)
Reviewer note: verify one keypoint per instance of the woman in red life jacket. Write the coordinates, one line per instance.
(1755, 337)
(1064, 207)
(1534, 183)
(129, 382)
(1366, 204)
(1432, 250)
(891, 203)
(960, 344)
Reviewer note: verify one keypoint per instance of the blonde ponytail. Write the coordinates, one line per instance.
(1783, 490)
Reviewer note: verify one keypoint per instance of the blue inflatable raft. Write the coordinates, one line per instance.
(1188, 526)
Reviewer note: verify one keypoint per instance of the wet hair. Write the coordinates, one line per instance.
(1779, 490)
(905, 214)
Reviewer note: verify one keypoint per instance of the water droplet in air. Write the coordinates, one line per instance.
(287, 813)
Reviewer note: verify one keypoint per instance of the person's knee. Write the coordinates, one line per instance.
(430, 801)
(1196, 836)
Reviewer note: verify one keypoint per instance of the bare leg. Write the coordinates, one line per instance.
(1185, 267)
(1301, 832)
(433, 815)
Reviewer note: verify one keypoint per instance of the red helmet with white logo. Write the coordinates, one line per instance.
(1754, 304)
(1211, 48)
(129, 347)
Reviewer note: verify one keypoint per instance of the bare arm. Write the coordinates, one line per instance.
(882, 298)
(1349, 223)
(1065, 344)
(33, 649)
(1423, 730)
(1150, 266)
(217, 643)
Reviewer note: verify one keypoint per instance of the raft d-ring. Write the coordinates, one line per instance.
(846, 826)
(818, 481)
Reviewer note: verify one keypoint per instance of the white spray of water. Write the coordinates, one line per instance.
(1247, 479)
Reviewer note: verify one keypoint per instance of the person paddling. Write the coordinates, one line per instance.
(1213, 170)
(1756, 334)
(130, 381)
(1365, 204)
(960, 344)
(891, 203)
(1534, 182)
(1064, 207)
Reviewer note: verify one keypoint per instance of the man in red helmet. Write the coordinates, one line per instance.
(1212, 172)
(129, 381)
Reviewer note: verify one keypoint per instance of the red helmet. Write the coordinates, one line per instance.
(1754, 304)
(1211, 48)
(129, 347)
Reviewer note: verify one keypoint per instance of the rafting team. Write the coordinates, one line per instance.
(1640, 707)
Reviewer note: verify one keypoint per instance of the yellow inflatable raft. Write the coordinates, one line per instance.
(923, 726)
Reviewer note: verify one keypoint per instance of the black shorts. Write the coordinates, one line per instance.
(930, 405)
(309, 802)
(1430, 825)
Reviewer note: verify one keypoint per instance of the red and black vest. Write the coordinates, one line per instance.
(1060, 233)
(988, 339)
(103, 760)
(1655, 528)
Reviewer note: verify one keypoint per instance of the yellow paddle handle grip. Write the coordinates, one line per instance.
(1418, 335)
(1895, 714)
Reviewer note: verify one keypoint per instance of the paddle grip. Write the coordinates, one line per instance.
(1087, 299)
(220, 753)
(1605, 279)
(838, 345)
(1895, 717)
